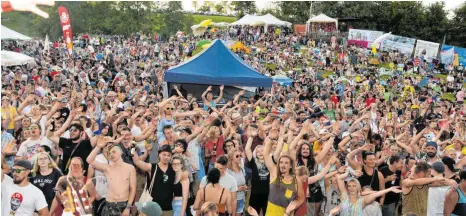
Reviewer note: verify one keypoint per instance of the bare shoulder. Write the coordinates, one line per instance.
(185, 175)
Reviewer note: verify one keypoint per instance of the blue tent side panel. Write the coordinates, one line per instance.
(217, 65)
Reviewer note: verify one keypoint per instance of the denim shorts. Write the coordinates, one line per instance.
(240, 206)
(176, 205)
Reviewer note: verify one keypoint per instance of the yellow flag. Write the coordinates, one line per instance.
(374, 49)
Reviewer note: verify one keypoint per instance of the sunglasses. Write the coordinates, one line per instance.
(170, 108)
(237, 156)
(33, 127)
(17, 171)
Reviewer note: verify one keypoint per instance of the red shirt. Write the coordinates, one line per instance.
(209, 146)
(334, 99)
(370, 101)
(302, 209)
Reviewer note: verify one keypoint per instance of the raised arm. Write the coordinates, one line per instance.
(320, 175)
(325, 149)
(371, 197)
(248, 149)
(220, 96)
(268, 158)
(141, 164)
(203, 96)
(101, 142)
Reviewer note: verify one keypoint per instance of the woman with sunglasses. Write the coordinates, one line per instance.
(45, 175)
(181, 186)
(167, 116)
(236, 169)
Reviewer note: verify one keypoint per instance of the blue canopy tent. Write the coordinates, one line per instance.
(217, 65)
(283, 80)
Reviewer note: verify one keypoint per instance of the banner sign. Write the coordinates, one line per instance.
(426, 50)
(363, 37)
(66, 28)
(459, 55)
(300, 28)
(404, 45)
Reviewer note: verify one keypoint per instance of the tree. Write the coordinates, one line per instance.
(219, 8)
(457, 32)
(204, 9)
(244, 7)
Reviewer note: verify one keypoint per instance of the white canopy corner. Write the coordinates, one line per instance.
(13, 58)
(8, 34)
(321, 18)
(267, 20)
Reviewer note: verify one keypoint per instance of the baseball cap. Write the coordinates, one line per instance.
(438, 167)
(149, 208)
(431, 143)
(24, 163)
(165, 148)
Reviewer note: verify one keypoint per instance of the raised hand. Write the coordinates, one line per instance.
(31, 6)
(222, 87)
(102, 141)
(209, 88)
(396, 189)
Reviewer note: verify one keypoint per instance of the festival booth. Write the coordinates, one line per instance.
(13, 58)
(8, 34)
(216, 65)
(265, 20)
(321, 22)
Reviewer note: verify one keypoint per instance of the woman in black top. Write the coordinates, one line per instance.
(260, 175)
(181, 186)
(45, 175)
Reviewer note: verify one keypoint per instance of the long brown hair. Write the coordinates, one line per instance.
(280, 177)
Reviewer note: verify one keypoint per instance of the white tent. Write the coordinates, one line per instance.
(321, 18)
(265, 20)
(13, 58)
(8, 34)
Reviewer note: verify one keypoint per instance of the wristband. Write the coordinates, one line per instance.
(128, 206)
(6, 6)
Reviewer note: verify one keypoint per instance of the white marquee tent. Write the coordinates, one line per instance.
(265, 20)
(8, 34)
(13, 58)
(321, 18)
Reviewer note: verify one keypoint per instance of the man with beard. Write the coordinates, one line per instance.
(19, 197)
(121, 179)
(431, 153)
(75, 146)
(416, 189)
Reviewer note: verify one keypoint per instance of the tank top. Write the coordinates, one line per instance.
(351, 209)
(302, 210)
(370, 180)
(416, 200)
(280, 195)
(220, 206)
(460, 208)
(178, 189)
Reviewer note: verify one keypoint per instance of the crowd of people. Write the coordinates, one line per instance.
(94, 134)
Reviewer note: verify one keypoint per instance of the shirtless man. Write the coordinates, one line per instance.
(119, 174)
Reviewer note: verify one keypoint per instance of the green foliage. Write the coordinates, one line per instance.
(244, 7)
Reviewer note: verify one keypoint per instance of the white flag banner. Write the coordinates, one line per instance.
(447, 56)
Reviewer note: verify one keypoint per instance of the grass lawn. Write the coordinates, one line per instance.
(20, 22)
(199, 18)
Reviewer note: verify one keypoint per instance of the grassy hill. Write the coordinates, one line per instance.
(21, 21)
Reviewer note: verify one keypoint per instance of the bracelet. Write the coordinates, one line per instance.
(128, 206)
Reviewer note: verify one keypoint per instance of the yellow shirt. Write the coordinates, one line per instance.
(11, 113)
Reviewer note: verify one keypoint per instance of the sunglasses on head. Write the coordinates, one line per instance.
(33, 127)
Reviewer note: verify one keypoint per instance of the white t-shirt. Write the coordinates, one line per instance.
(101, 185)
(435, 200)
(29, 147)
(137, 131)
(227, 181)
(21, 201)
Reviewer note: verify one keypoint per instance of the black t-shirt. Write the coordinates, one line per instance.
(260, 178)
(82, 151)
(162, 191)
(47, 184)
(391, 197)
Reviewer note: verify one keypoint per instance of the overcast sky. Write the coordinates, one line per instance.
(449, 4)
